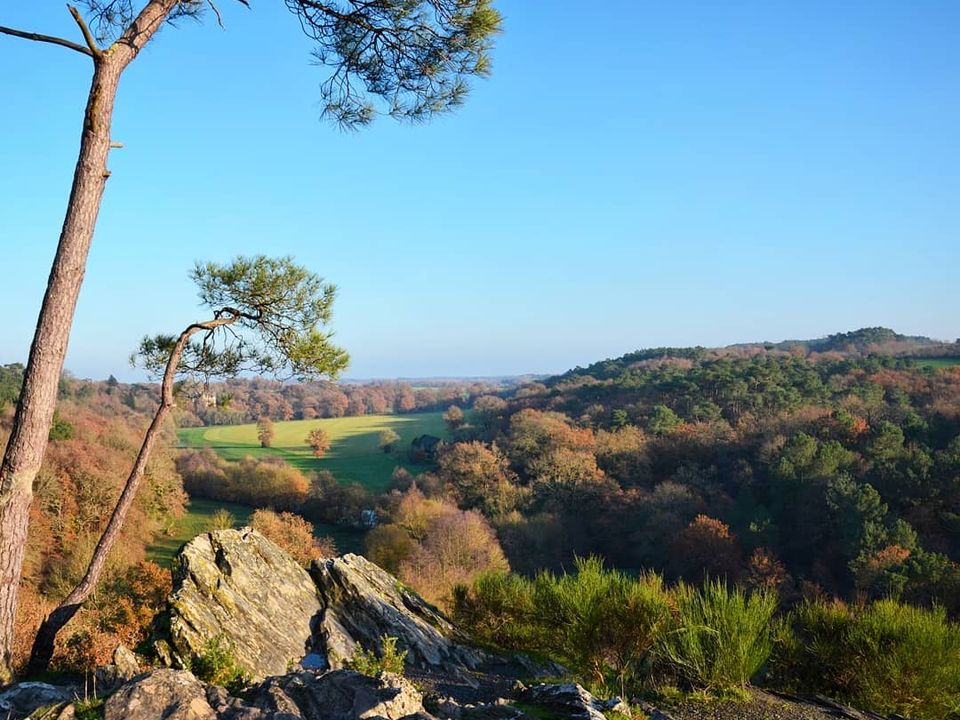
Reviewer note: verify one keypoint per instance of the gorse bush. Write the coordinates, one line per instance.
(369, 662)
(627, 634)
(600, 622)
(721, 636)
(499, 609)
(886, 657)
(217, 664)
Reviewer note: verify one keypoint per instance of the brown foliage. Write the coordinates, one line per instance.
(479, 477)
(319, 441)
(293, 534)
(623, 455)
(706, 546)
(259, 482)
(435, 546)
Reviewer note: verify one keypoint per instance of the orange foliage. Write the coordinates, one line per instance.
(293, 534)
(706, 546)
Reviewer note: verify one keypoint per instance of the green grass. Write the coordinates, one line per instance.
(194, 522)
(354, 454)
(936, 363)
(197, 520)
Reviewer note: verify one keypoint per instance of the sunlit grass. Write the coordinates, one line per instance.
(354, 455)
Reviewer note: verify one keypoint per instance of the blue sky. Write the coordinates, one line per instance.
(634, 174)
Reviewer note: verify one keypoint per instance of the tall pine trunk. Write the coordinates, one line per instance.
(38, 397)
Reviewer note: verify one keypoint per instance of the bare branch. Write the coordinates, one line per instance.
(47, 39)
(216, 12)
(95, 50)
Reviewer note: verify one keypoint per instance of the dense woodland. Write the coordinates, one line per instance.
(243, 400)
(812, 473)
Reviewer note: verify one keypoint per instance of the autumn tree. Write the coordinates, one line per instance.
(293, 534)
(319, 441)
(265, 432)
(480, 477)
(454, 418)
(406, 58)
(268, 316)
(706, 546)
(388, 439)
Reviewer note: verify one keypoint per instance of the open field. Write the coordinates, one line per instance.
(354, 455)
(195, 521)
(936, 363)
(200, 513)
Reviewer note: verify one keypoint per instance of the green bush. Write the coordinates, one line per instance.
(600, 622)
(720, 637)
(368, 662)
(498, 609)
(217, 664)
(886, 657)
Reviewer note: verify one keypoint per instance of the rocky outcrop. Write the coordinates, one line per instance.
(124, 667)
(22, 699)
(362, 603)
(570, 701)
(239, 586)
(168, 694)
(337, 695)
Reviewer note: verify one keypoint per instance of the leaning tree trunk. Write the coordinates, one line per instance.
(38, 397)
(45, 642)
(31, 424)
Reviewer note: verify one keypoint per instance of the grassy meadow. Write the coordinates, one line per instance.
(199, 516)
(937, 363)
(354, 454)
(195, 521)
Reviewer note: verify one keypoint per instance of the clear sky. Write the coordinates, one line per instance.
(634, 174)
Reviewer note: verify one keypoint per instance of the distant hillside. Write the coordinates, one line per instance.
(864, 340)
(856, 343)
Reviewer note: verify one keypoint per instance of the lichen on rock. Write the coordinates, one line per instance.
(237, 585)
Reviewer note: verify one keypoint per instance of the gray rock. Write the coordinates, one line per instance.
(337, 695)
(22, 699)
(362, 603)
(124, 666)
(651, 711)
(55, 712)
(446, 708)
(238, 585)
(167, 694)
(499, 710)
(567, 701)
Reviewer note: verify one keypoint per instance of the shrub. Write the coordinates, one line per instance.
(217, 664)
(601, 622)
(497, 609)
(222, 519)
(721, 636)
(388, 546)
(887, 657)
(293, 534)
(368, 662)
